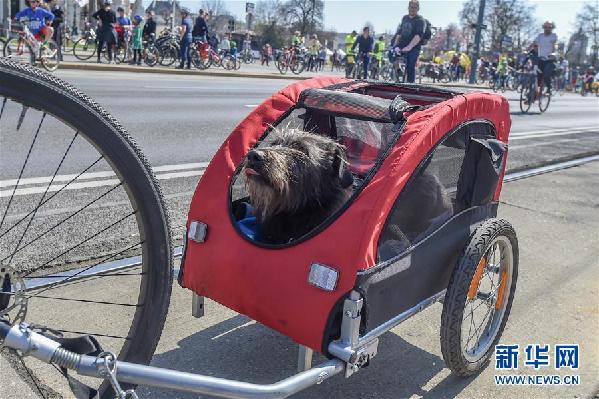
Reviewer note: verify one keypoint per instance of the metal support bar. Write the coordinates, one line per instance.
(29, 342)
(197, 305)
(304, 358)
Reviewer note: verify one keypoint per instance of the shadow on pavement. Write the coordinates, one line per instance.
(241, 349)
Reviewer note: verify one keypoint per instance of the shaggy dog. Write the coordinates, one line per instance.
(296, 183)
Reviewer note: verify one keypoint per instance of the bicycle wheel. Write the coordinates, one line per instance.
(84, 49)
(479, 297)
(49, 56)
(544, 99)
(297, 65)
(198, 61)
(151, 56)
(168, 55)
(282, 65)
(82, 222)
(526, 96)
(19, 51)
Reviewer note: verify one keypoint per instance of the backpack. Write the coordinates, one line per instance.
(427, 34)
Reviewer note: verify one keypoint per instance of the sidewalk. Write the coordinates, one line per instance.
(246, 71)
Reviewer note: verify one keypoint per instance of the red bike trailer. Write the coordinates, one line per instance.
(271, 284)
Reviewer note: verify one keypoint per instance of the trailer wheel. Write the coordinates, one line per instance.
(479, 297)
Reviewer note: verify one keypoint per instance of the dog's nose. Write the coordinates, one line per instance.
(255, 157)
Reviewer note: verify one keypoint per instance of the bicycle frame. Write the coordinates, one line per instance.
(351, 353)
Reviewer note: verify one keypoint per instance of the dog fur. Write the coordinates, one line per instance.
(295, 183)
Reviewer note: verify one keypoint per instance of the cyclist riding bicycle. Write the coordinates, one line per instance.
(365, 44)
(296, 40)
(547, 47)
(350, 60)
(379, 51)
(38, 20)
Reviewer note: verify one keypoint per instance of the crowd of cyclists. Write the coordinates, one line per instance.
(119, 38)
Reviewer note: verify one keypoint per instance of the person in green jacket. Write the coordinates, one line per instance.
(379, 50)
(136, 39)
(350, 60)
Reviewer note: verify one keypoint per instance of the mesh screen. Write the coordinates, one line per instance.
(427, 201)
(344, 103)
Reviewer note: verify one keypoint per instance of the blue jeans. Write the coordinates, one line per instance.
(411, 58)
(366, 62)
(184, 54)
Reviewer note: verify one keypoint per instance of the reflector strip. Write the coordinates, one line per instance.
(476, 279)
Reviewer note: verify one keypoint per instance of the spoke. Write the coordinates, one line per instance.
(84, 301)
(479, 327)
(79, 244)
(94, 334)
(2, 109)
(33, 379)
(61, 222)
(23, 167)
(52, 196)
(95, 275)
(59, 283)
(42, 198)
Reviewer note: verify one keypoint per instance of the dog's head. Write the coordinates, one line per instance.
(298, 170)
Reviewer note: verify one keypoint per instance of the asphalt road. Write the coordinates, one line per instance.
(180, 121)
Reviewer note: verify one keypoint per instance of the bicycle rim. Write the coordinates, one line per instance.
(49, 56)
(77, 197)
(20, 52)
(84, 49)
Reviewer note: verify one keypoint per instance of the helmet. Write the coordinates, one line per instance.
(138, 18)
(185, 10)
(549, 25)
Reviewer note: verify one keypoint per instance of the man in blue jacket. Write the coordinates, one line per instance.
(408, 38)
(365, 44)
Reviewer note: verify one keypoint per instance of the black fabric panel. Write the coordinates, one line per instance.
(424, 270)
(482, 166)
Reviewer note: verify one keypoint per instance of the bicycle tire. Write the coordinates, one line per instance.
(81, 49)
(43, 92)
(28, 55)
(546, 94)
(463, 278)
(53, 52)
(297, 66)
(524, 97)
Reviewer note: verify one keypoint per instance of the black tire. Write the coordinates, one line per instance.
(168, 55)
(50, 56)
(41, 91)
(199, 62)
(151, 56)
(544, 100)
(84, 49)
(297, 65)
(490, 233)
(525, 99)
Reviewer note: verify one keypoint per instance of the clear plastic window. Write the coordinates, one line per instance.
(303, 172)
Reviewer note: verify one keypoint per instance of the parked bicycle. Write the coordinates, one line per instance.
(86, 47)
(291, 59)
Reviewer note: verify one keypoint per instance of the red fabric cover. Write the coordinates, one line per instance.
(270, 285)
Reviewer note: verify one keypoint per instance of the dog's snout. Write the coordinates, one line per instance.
(256, 157)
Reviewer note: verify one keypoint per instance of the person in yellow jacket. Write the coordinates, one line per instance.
(350, 60)
(379, 50)
(465, 64)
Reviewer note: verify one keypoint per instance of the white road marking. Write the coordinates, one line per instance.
(90, 184)
(567, 129)
(38, 185)
(96, 175)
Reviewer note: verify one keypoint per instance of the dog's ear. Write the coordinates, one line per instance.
(341, 169)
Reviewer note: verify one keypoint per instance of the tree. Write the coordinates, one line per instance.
(304, 15)
(513, 18)
(588, 22)
(215, 7)
(269, 13)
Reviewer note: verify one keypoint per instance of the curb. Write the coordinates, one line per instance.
(227, 74)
